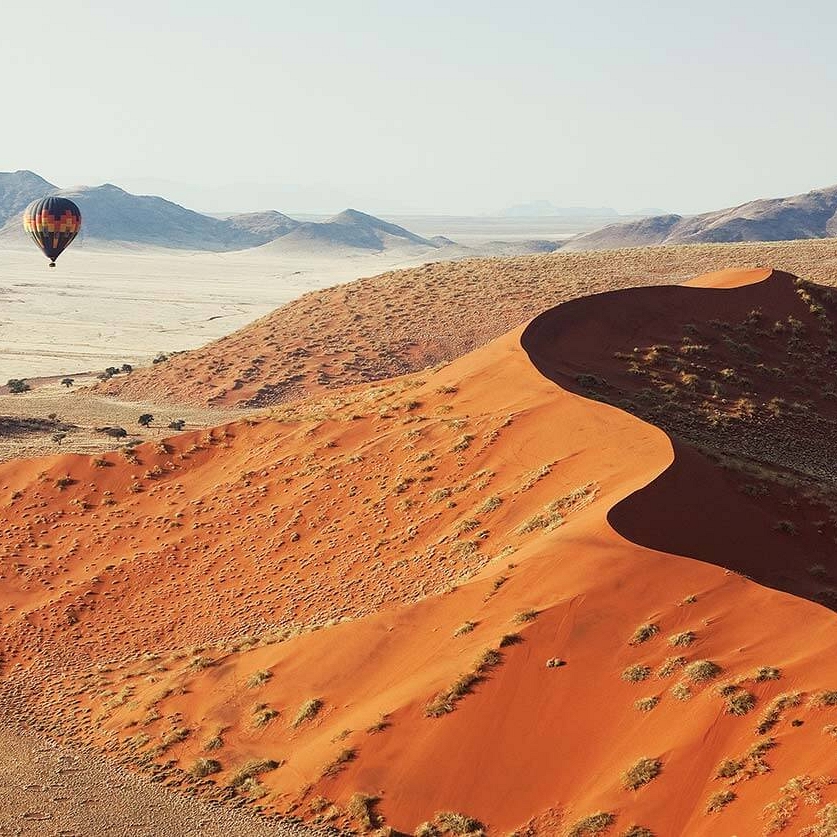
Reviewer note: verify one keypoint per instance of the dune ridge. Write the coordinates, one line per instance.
(407, 599)
(403, 321)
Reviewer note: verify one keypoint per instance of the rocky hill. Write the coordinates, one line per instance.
(113, 216)
(812, 215)
(18, 189)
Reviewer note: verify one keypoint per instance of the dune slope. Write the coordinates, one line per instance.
(407, 599)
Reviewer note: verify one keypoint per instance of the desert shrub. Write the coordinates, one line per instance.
(307, 711)
(646, 704)
(670, 665)
(766, 673)
(251, 770)
(680, 691)
(638, 831)
(489, 505)
(380, 725)
(773, 713)
(361, 808)
(340, 761)
(509, 639)
(463, 443)
(740, 703)
(204, 767)
(701, 671)
(643, 633)
(446, 700)
(682, 639)
(822, 699)
(214, 743)
(258, 678)
(457, 823)
(465, 628)
(826, 825)
(525, 616)
(719, 801)
(263, 715)
(641, 773)
(729, 768)
(593, 825)
(636, 673)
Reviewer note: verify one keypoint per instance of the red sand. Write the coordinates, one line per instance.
(208, 551)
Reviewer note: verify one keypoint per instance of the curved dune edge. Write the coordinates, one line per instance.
(531, 744)
(694, 508)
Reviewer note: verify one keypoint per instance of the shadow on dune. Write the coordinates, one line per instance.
(737, 378)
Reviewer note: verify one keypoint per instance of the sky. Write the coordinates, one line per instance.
(445, 108)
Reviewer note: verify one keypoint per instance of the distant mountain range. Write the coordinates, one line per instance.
(115, 216)
(812, 215)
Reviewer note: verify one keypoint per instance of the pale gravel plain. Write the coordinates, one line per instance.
(83, 412)
(107, 307)
(47, 790)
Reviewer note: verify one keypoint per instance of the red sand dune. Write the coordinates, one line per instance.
(478, 496)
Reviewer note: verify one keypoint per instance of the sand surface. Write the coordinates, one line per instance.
(308, 591)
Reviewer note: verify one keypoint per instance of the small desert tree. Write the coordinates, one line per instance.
(177, 424)
(67, 382)
(17, 385)
(145, 419)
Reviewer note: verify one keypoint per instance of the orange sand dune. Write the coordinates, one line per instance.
(344, 563)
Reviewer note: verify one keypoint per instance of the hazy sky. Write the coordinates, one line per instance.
(454, 107)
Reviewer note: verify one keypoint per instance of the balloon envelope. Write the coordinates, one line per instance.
(53, 223)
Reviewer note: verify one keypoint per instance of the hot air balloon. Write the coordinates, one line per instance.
(53, 223)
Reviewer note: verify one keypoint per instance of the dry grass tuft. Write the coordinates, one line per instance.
(307, 711)
(773, 712)
(719, 801)
(643, 633)
(682, 639)
(641, 773)
(636, 673)
(361, 809)
(340, 761)
(446, 700)
(593, 825)
(701, 671)
(252, 769)
(646, 704)
(204, 767)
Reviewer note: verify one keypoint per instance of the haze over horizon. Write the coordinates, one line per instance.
(404, 111)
